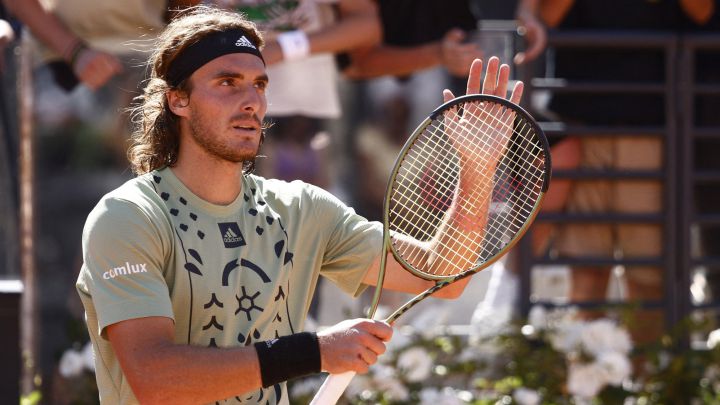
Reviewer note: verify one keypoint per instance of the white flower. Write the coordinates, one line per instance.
(567, 336)
(358, 385)
(429, 396)
(713, 339)
(617, 367)
(306, 386)
(88, 357)
(71, 364)
(712, 372)
(538, 318)
(432, 396)
(526, 396)
(561, 316)
(385, 380)
(603, 335)
(586, 380)
(415, 363)
(399, 341)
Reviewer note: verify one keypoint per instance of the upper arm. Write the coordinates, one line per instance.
(125, 255)
(358, 7)
(134, 341)
(397, 278)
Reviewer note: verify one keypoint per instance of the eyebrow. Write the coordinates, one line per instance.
(236, 75)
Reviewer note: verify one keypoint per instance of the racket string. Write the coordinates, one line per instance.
(441, 177)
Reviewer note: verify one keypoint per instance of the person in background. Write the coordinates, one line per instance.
(86, 41)
(623, 152)
(303, 39)
(98, 44)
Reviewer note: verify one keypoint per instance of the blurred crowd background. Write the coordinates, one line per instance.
(626, 90)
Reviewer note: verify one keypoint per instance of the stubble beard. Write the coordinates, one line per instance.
(206, 137)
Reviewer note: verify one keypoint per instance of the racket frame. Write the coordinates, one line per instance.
(443, 281)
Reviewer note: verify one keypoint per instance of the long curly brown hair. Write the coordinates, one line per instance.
(156, 135)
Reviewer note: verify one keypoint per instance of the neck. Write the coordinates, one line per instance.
(214, 180)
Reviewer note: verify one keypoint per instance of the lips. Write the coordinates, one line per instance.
(246, 127)
(246, 124)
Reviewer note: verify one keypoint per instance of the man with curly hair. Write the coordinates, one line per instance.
(198, 274)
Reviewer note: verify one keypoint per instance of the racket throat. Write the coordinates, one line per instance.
(381, 279)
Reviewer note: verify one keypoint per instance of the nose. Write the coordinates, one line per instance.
(254, 101)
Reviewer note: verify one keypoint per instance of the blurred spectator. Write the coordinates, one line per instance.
(100, 44)
(378, 143)
(627, 152)
(85, 41)
(299, 151)
(419, 34)
(302, 41)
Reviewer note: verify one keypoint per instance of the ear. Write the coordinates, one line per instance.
(179, 102)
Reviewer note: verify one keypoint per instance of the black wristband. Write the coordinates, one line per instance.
(288, 357)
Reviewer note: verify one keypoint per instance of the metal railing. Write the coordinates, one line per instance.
(672, 175)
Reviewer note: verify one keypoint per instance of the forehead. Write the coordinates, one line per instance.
(244, 64)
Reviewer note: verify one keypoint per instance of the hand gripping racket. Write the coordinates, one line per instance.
(466, 186)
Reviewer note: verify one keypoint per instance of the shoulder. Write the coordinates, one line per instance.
(135, 203)
(292, 192)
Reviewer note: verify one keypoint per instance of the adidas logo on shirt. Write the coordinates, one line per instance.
(231, 235)
(242, 41)
(125, 270)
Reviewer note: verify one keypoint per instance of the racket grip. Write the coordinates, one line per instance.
(333, 388)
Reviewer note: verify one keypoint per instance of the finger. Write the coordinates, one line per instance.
(368, 356)
(381, 330)
(447, 95)
(376, 345)
(517, 92)
(473, 83)
(536, 45)
(491, 76)
(503, 78)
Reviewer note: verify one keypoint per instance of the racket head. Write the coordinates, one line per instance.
(425, 179)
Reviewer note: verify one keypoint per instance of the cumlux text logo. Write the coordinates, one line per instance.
(125, 270)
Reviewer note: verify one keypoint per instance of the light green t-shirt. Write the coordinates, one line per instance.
(228, 275)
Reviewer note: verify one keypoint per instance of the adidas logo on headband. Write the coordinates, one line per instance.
(208, 47)
(244, 42)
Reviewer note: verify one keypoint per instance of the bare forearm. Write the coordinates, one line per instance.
(395, 61)
(44, 25)
(359, 27)
(527, 6)
(181, 374)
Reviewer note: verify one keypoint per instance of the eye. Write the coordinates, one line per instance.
(226, 82)
(261, 85)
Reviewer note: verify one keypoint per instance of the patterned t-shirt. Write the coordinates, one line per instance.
(228, 275)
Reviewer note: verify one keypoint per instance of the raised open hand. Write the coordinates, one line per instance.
(483, 130)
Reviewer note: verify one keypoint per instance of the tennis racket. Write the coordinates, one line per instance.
(468, 183)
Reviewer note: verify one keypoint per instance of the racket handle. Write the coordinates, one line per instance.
(333, 388)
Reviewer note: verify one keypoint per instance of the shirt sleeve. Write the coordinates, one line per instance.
(124, 250)
(352, 246)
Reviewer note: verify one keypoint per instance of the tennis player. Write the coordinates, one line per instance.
(197, 274)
